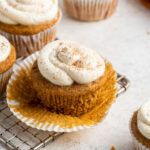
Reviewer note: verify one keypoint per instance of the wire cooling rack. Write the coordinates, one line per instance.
(17, 136)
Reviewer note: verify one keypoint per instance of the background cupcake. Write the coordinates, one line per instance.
(140, 127)
(29, 24)
(7, 59)
(146, 3)
(90, 10)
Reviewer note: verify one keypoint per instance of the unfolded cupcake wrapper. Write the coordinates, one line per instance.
(4, 77)
(90, 10)
(41, 118)
(136, 143)
(28, 44)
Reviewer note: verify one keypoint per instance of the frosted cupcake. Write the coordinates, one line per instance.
(70, 77)
(90, 10)
(146, 3)
(140, 127)
(29, 24)
(65, 87)
(7, 59)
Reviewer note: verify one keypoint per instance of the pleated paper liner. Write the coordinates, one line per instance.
(90, 10)
(21, 99)
(4, 77)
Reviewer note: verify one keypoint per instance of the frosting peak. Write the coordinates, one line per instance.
(143, 120)
(67, 55)
(65, 62)
(5, 48)
(27, 12)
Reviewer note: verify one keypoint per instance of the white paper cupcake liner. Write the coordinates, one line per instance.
(136, 143)
(27, 63)
(90, 10)
(4, 77)
(28, 44)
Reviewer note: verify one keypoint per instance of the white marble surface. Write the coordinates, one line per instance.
(124, 39)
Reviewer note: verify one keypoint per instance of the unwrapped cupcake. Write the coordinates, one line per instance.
(69, 77)
(90, 10)
(29, 24)
(7, 59)
(65, 87)
(140, 127)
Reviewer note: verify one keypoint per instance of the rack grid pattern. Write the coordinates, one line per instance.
(17, 136)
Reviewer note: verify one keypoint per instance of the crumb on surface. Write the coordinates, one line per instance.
(148, 33)
(113, 148)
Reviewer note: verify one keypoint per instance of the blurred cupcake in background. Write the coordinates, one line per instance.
(140, 127)
(146, 3)
(7, 59)
(29, 24)
(90, 10)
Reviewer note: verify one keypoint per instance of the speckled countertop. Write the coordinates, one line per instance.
(124, 39)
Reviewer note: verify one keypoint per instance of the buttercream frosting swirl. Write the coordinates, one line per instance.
(66, 62)
(143, 120)
(5, 48)
(27, 12)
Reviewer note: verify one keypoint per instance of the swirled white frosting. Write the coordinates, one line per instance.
(143, 120)
(5, 48)
(27, 12)
(65, 62)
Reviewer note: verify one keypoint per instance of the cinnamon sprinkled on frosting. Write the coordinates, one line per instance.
(65, 62)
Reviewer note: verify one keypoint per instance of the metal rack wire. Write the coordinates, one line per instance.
(122, 84)
(17, 136)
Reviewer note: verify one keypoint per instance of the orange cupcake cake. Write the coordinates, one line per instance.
(65, 87)
(7, 59)
(69, 78)
(140, 127)
(25, 23)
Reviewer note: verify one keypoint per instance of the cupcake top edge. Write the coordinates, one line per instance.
(5, 48)
(28, 12)
(65, 62)
(143, 120)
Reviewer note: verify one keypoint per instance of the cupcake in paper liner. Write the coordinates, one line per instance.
(146, 3)
(7, 59)
(29, 25)
(65, 87)
(140, 127)
(90, 10)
